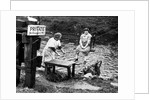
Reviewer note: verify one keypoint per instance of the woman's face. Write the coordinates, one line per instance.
(85, 32)
(57, 38)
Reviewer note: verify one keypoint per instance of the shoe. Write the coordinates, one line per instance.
(84, 62)
(40, 69)
(81, 72)
(43, 66)
(76, 58)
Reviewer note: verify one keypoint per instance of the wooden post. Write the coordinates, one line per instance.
(46, 66)
(69, 72)
(30, 61)
(27, 59)
(33, 61)
(17, 63)
(73, 70)
(53, 68)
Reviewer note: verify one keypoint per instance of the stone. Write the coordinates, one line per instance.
(88, 75)
(114, 84)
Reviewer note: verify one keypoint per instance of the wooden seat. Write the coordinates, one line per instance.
(60, 63)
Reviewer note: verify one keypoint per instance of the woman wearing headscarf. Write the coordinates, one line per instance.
(49, 50)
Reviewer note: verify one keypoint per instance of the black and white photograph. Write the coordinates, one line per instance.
(67, 54)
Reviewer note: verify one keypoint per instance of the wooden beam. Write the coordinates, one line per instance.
(33, 61)
(27, 58)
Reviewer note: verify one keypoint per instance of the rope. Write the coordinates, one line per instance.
(35, 41)
(18, 44)
(32, 58)
(32, 42)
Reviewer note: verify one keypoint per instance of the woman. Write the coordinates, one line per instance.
(84, 44)
(49, 50)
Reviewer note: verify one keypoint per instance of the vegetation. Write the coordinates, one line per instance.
(104, 27)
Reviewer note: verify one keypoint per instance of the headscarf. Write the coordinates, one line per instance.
(57, 35)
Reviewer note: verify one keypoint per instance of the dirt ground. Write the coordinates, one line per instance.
(107, 82)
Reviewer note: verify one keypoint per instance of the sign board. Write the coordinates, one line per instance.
(34, 30)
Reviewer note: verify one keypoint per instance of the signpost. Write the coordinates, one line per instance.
(35, 30)
(30, 53)
(28, 42)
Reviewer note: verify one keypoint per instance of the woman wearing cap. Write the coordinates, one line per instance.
(84, 44)
(49, 50)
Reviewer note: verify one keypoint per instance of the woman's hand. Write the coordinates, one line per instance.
(83, 47)
(58, 54)
(62, 51)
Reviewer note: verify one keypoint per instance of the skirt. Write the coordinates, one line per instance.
(85, 51)
(47, 55)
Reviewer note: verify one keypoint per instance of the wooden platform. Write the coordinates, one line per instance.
(60, 63)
